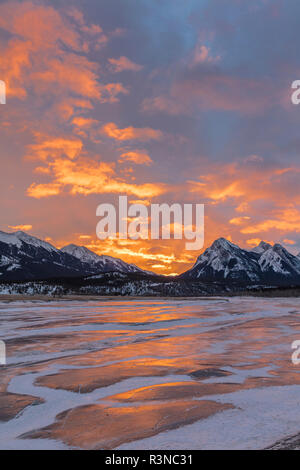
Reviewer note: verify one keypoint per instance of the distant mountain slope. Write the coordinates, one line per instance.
(24, 257)
(278, 261)
(101, 263)
(262, 247)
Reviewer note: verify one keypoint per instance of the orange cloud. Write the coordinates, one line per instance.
(47, 51)
(140, 158)
(288, 241)
(112, 91)
(141, 253)
(211, 189)
(242, 207)
(286, 220)
(68, 105)
(151, 255)
(84, 122)
(144, 202)
(131, 133)
(25, 228)
(86, 176)
(123, 63)
(43, 190)
(54, 147)
(40, 24)
(75, 74)
(247, 180)
(36, 28)
(256, 241)
(238, 220)
(253, 241)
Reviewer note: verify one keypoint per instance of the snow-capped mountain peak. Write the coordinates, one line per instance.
(17, 238)
(225, 260)
(279, 260)
(262, 247)
(223, 244)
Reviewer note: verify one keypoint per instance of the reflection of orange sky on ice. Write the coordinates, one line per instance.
(110, 427)
(70, 142)
(155, 364)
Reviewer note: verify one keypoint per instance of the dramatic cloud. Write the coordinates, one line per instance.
(86, 176)
(24, 228)
(54, 147)
(184, 102)
(247, 181)
(131, 133)
(80, 121)
(285, 220)
(46, 53)
(140, 158)
(239, 220)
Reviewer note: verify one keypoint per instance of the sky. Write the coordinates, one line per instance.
(162, 101)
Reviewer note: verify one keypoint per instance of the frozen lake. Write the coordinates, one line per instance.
(149, 373)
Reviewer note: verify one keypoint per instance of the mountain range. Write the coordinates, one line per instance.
(27, 258)
(24, 257)
(264, 264)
